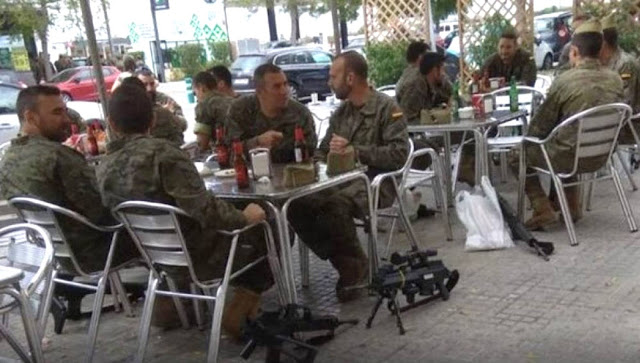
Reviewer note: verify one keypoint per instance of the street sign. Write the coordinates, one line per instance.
(161, 4)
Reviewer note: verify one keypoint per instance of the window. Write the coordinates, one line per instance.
(301, 58)
(83, 75)
(8, 98)
(247, 64)
(283, 59)
(321, 57)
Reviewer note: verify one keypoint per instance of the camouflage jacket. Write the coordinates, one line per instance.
(580, 88)
(162, 99)
(77, 120)
(421, 95)
(408, 75)
(211, 112)
(139, 167)
(167, 126)
(523, 68)
(626, 66)
(246, 122)
(34, 166)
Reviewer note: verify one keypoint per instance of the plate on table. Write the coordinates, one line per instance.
(203, 170)
(226, 173)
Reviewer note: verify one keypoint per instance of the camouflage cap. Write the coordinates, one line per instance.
(608, 22)
(589, 26)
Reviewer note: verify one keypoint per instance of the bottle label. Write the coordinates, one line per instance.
(298, 152)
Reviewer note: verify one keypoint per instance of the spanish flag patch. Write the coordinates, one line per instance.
(625, 75)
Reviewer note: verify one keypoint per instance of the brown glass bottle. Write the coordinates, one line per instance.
(240, 166)
(221, 149)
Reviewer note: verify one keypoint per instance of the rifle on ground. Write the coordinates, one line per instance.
(519, 231)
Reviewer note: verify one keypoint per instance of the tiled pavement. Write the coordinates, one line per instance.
(509, 306)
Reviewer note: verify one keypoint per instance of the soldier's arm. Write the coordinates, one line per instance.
(309, 129)
(323, 148)
(547, 114)
(237, 123)
(203, 127)
(393, 152)
(413, 101)
(629, 75)
(529, 72)
(182, 182)
(80, 186)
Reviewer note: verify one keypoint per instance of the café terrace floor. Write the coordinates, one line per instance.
(509, 305)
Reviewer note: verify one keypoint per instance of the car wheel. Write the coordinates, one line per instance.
(548, 62)
(293, 91)
(66, 97)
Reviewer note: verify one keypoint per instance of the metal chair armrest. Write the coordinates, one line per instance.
(377, 181)
(236, 232)
(535, 140)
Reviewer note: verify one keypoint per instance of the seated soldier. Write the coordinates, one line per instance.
(374, 126)
(586, 85)
(37, 165)
(511, 61)
(429, 90)
(161, 99)
(415, 51)
(139, 167)
(215, 95)
(165, 125)
(268, 118)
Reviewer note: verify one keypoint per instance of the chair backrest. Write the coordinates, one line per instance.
(542, 82)
(35, 258)
(155, 229)
(389, 90)
(3, 148)
(596, 132)
(529, 99)
(45, 215)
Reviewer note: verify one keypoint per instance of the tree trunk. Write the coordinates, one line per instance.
(344, 32)
(336, 26)
(271, 18)
(106, 21)
(95, 58)
(43, 60)
(293, 13)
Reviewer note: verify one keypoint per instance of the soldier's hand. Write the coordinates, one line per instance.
(270, 139)
(170, 105)
(254, 213)
(338, 143)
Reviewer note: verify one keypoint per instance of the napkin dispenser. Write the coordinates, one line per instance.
(299, 174)
(435, 116)
(338, 163)
(260, 162)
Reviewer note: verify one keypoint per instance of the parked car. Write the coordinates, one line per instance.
(9, 124)
(555, 29)
(22, 79)
(307, 70)
(78, 84)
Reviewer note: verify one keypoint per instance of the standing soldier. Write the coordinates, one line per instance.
(415, 52)
(586, 85)
(215, 95)
(511, 61)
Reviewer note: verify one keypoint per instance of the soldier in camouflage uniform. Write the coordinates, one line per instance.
(586, 85)
(37, 165)
(268, 118)
(415, 51)
(77, 120)
(139, 167)
(428, 91)
(215, 97)
(563, 61)
(160, 99)
(621, 62)
(374, 125)
(511, 61)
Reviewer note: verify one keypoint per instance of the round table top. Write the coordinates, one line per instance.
(9, 275)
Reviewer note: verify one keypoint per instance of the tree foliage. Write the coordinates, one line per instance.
(628, 29)
(440, 9)
(487, 44)
(386, 61)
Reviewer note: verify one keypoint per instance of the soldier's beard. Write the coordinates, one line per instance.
(342, 93)
(152, 96)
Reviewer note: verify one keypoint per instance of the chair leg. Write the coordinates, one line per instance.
(624, 202)
(34, 339)
(182, 314)
(589, 192)
(95, 316)
(117, 304)
(303, 252)
(627, 172)
(197, 306)
(48, 296)
(122, 293)
(504, 173)
(566, 214)
(522, 179)
(145, 321)
(390, 237)
(13, 342)
(441, 194)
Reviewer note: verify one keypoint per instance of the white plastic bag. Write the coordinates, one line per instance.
(480, 213)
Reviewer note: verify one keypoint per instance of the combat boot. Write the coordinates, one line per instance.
(543, 215)
(574, 202)
(353, 273)
(467, 170)
(165, 314)
(244, 304)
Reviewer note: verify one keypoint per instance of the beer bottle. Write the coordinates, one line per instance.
(513, 95)
(221, 148)
(240, 166)
(475, 87)
(300, 147)
(91, 138)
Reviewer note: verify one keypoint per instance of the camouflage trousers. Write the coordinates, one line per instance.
(324, 220)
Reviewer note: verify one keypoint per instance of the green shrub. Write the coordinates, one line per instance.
(191, 58)
(386, 62)
(138, 55)
(221, 54)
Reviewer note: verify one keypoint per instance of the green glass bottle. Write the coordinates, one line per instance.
(455, 102)
(513, 95)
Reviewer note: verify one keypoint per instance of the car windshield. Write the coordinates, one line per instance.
(63, 76)
(8, 77)
(356, 43)
(247, 63)
(542, 25)
(8, 98)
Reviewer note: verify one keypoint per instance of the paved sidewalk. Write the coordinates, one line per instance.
(509, 306)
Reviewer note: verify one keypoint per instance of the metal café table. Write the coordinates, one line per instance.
(277, 197)
(478, 128)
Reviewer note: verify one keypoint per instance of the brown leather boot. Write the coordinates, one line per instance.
(244, 304)
(543, 214)
(574, 202)
(165, 314)
(353, 276)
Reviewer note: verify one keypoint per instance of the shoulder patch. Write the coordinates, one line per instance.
(396, 114)
(625, 75)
